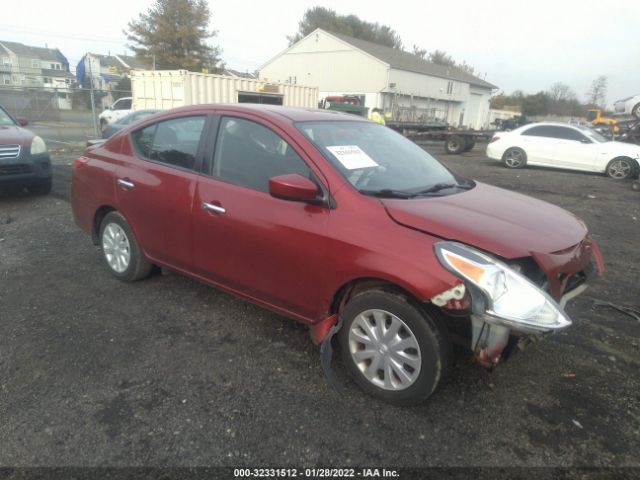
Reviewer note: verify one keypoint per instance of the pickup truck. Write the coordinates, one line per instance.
(119, 109)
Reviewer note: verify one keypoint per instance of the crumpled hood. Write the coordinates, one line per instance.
(495, 220)
(12, 134)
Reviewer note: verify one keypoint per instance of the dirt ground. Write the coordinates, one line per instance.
(168, 371)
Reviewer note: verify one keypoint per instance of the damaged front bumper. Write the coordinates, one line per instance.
(567, 272)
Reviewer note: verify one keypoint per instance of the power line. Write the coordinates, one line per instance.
(49, 34)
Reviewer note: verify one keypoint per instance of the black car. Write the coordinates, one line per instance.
(24, 159)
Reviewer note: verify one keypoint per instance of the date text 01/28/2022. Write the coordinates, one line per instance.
(314, 473)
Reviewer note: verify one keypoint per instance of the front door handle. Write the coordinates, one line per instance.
(125, 183)
(213, 208)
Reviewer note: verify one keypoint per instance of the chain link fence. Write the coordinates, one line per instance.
(65, 115)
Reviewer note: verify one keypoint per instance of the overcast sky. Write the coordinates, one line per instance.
(517, 44)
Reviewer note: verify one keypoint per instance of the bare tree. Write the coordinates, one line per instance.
(560, 92)
(419, 52)
(597, 94)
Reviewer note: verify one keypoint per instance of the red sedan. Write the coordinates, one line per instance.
(339, 223)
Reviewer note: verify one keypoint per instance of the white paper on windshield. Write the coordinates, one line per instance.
(352, 157)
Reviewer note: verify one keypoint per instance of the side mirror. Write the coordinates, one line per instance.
(294, 187)
(23, 122)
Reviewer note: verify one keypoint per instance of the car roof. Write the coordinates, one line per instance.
(292, 114)
(547, 124)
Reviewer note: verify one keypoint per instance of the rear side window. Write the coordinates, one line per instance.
(143, 140)
(542, 131)
(173, 142)
(248, 154)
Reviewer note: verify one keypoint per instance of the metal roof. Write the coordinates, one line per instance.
(401, 60)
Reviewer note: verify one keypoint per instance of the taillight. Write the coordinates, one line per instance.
(494, 138)
(80, 162)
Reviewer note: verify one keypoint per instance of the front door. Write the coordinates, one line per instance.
(267, 248)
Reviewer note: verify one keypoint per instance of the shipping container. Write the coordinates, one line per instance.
(164, 89)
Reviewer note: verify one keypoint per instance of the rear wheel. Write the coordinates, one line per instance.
(514, 158)
(636, 111)
(621, 168)
(394, 350)
(455, 144)
(120, 250)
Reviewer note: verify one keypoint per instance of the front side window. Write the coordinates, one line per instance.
(377, 160)
(570, 134)
(173, 142)
(248, 154)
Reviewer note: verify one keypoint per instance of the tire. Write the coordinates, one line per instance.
(41, 188)
(514, 158)
(636, 111)
(621, 168)
(120, 251)
(426, 356)
(455, 144)
(470, 144)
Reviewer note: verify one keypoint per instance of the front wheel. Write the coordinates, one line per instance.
(636, 111)
(620, 168)
(514, 158)
(394, 350)
(120, 249)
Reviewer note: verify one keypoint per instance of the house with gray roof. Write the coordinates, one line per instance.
(24, 66)
(405, 86)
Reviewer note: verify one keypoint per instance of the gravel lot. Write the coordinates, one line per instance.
(168, 371)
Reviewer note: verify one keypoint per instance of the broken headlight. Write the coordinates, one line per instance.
(509, 297)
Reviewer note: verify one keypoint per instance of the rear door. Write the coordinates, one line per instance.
(155, 188)
(265, 247)
(539, 143)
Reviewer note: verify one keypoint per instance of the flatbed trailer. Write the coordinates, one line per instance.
(455, 141)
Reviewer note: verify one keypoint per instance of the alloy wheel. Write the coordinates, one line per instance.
(619, 169)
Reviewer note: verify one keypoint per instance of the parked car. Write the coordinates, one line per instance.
(24, 159)
(111, 128)
(560, 145)
(628, 106)
(120, 108)
(339, 223)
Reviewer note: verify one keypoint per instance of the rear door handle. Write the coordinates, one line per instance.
(125, 183)
(213, 208)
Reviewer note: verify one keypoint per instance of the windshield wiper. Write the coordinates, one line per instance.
(387, 193)
(443, 186)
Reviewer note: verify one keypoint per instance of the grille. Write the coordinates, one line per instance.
(14, 169)
(9, 151)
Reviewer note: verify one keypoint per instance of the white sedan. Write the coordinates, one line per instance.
(560, 145)
(628, 106)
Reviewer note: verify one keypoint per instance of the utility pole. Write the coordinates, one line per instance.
(93, 103)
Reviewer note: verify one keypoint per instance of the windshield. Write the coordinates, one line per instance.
(592, 134)
(378, 161)
(5, 119)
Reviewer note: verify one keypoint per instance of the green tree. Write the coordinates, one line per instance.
(350, 25)
(441, 58)
(173, 34)
(420, 52)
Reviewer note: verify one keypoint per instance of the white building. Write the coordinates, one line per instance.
(405, 86)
